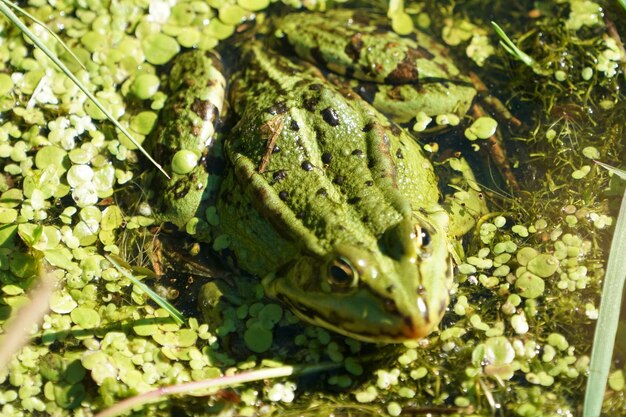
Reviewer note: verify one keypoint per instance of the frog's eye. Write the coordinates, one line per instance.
(424, 237)
(341, 273)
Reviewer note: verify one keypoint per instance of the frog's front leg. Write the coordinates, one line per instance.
(184, 143)
(464, 200)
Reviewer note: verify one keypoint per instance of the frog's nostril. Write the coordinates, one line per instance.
(391, 307)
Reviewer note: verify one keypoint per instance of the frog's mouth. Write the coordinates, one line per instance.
(360, 314)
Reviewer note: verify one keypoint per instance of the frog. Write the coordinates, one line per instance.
(334, 206)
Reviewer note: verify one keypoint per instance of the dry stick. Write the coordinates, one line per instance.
(17, 333)
(225, 381)
(274, 127)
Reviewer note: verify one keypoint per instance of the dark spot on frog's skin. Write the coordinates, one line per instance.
(365, 219)
(368, 71)
(395, 129)
(180, 188)
(310, 103)
(306, 165)
(390, 289)
(279, 175)
(406, 70)
(354, 46)
(338, 180)
(327, 157)
(357, 152)
(300, 215)
(283, 195)
(315, 87)
(354, 200)
(399, 154)
(276, 149)
(330, 116)
(322, 192)
(278, 108)
(369, 183)
(391, 306)
(395, 94)
(421, 290)
(293, 125)
(205, 110)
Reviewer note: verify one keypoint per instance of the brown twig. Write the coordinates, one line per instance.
(275, 127)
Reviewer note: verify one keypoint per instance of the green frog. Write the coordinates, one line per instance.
(322, 196)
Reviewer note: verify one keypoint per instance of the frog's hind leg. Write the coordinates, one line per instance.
(184, 144)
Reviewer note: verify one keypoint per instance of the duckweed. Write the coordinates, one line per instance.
(394, 409)
(482, 128)
(159, 48)
(184, 161)
(543, 265)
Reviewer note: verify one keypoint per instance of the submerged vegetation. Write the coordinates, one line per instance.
(516, 339)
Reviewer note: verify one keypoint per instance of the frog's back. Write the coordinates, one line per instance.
(318, 166)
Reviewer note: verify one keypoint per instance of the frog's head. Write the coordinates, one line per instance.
(394, 291)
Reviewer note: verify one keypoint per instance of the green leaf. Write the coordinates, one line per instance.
(608, 318)
(173, 312)
(511, 48)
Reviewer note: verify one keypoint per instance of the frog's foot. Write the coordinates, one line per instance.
(464, 200)
(174, 252)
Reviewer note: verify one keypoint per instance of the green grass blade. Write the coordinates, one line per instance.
(6, 10)
(608, 318)
(43, 25)
(619, 172)
(176, 315)
(511, 48)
